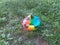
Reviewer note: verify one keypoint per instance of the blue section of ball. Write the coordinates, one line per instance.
(36, 21)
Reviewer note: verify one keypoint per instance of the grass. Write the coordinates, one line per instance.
(12, 13)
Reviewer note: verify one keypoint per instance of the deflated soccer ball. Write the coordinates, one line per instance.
(31, 22)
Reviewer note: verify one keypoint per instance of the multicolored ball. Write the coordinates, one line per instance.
(31, 22)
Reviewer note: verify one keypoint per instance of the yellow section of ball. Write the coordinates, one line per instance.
(31, 27)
